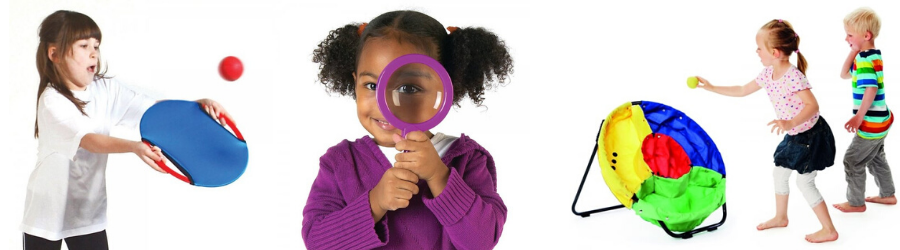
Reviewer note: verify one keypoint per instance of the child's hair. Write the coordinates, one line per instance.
(862, 20)
(62, 29)
(472, 56)
(783, 38)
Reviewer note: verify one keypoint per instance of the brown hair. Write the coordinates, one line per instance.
(782, 37)
(60, 30)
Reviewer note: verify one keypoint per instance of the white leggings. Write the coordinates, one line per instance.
(805, 182)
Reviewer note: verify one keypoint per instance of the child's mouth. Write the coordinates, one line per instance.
(384, 124)
(92, 68)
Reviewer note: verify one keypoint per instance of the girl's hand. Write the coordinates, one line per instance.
(215, 110)
(393, 191)
(149, 155)
(853, 124)
(422, 158)
(782, 125)
(704, 84)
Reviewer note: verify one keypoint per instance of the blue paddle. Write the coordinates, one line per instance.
(205, 152)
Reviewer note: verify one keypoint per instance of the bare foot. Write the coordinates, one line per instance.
(773, 223)
(822, 236)
(846, 208)
(890, 200)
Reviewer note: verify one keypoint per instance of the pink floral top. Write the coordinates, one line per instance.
(783, 94)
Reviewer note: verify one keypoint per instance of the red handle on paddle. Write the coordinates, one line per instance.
(162, 164)
(230, 123)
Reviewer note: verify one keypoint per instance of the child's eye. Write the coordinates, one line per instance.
(408, 89)
(369, 85)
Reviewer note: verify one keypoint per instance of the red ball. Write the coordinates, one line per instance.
(231, 68)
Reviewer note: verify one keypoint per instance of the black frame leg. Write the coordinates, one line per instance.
(689, 234)
(584, 178)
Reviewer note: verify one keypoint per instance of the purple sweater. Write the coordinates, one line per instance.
(468, 214)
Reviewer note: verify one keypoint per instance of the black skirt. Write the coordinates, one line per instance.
(812, 150)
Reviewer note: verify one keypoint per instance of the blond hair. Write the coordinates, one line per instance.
(862, 20)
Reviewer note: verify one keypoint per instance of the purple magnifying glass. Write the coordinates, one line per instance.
(414, 93)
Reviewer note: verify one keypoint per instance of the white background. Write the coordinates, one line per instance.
(574, 63)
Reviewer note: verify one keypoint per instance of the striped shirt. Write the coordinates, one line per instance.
(867, 73)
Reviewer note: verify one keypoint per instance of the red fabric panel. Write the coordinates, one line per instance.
(665, 156)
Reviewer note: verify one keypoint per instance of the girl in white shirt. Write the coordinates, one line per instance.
(76, 107)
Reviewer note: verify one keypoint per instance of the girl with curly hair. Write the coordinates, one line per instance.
(439, 191)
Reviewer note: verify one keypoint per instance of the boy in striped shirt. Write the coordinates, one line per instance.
(872, 119)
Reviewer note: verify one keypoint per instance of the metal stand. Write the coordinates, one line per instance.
(586, 170)
(689, 234)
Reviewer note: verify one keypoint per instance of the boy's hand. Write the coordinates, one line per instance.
(848, 63)
(853, 124)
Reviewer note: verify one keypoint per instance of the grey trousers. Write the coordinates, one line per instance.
(862, 154)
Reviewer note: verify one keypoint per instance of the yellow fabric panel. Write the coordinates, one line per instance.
(623, 133)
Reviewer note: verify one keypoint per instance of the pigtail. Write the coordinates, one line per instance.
(474, 57)
(336, 56)
(801, 63)
(792, 41)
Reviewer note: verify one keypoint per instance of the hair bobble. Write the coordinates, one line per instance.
(780, 21)
(361, 28)
(452, 29)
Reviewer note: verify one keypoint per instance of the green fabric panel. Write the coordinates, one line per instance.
(681, 203)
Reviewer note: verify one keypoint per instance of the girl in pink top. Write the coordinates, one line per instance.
(808, 146)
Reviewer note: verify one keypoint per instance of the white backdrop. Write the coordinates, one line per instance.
(574, 62)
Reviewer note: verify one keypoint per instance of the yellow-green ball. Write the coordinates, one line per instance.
(692, 82)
